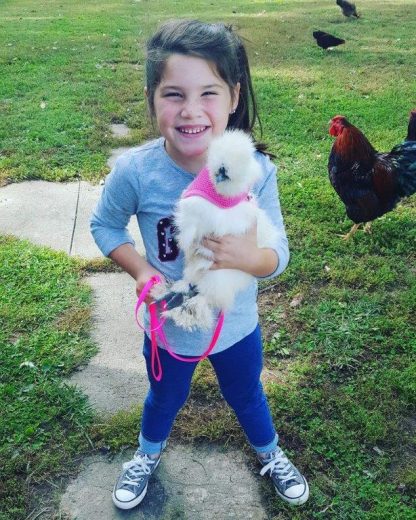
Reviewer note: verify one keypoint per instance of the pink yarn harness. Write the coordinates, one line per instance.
(202, 186)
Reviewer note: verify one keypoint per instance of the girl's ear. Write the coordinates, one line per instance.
(145, 91)
(235, 96)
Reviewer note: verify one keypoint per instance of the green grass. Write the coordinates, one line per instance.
(341, 369)
(44, 334)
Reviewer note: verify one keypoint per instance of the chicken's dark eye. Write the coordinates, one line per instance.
(222, 170)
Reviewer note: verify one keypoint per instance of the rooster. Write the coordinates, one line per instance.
(368, 182)
(348, 8)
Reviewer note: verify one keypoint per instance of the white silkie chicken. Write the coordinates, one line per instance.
(216, 203)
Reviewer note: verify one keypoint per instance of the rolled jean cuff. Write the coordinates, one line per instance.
(268, 447)
(150, 447)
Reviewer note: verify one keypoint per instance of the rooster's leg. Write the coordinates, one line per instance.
(351, 232)
(367, 227)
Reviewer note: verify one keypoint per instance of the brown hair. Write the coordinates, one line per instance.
(214, 42)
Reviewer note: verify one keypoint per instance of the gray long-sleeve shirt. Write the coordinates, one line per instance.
(146, 182)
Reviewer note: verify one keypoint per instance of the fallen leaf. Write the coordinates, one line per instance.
(297, 300)
(29, 364)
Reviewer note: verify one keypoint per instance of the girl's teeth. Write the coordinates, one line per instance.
(192, 131)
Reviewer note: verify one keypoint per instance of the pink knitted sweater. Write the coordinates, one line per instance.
(202, 186)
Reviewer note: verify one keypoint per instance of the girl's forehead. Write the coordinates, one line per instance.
(182, 68)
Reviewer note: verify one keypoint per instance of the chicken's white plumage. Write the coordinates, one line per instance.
(233, 170)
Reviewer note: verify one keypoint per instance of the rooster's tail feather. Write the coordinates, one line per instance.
(405, 160)
(411, 129)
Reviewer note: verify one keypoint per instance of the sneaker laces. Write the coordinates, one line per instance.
(280, 466)
(137, 468)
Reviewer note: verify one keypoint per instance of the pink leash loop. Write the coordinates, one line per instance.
(146, 289)
(211, 345)
(157, 330)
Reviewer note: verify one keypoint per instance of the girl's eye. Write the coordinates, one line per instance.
(209, 93)
(172, 94)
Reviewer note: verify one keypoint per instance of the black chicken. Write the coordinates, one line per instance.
(326, 40)
(368, 182)
(348, 8)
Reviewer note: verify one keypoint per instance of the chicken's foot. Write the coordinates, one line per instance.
(351, 232)
(367, 227)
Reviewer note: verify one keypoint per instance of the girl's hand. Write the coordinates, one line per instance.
(241, 252)
(234, 252)
(144, 276)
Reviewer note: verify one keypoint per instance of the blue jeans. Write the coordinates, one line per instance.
(238, 370)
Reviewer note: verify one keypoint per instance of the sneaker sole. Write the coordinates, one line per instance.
(298, 501)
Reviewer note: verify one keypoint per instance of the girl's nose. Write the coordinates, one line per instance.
(190, 109)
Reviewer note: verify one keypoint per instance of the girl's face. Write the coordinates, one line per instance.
(192, 105)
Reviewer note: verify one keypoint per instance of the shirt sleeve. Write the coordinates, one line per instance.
(118, 202)
(268, 199)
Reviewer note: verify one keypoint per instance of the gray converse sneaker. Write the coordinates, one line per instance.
(290, 484)
(131, 486)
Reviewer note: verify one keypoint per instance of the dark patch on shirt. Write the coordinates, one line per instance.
(168, 248)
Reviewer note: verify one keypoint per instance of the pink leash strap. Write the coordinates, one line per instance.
(146, 289)
(156, 329)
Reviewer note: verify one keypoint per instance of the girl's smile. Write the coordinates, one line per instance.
(192, 104)
(192, 130)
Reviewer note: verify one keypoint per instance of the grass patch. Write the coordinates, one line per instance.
(114, 432)
(206, 417)
(339, 324)
(44, 317)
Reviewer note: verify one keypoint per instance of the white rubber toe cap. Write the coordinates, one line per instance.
(124, 495)
(295, 491)
(296, 495)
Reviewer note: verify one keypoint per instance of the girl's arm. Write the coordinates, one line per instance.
(135, 265)
(118, 202)
(129, 260)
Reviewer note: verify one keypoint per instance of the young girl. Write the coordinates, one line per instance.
(197, 85)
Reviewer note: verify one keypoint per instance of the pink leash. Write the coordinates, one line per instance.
(156, 329)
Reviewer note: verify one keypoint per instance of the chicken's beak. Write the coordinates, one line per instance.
(221, 175)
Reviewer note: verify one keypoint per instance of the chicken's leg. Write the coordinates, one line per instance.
(367, 227)
(351, 232)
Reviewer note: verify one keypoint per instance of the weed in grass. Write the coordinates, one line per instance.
(279, 344)
(117, 431)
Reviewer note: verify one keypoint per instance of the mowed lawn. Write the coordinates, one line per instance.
(339, 325)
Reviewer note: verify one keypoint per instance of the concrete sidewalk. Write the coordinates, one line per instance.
(54, 215)
(192, 484)
(189, 484)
